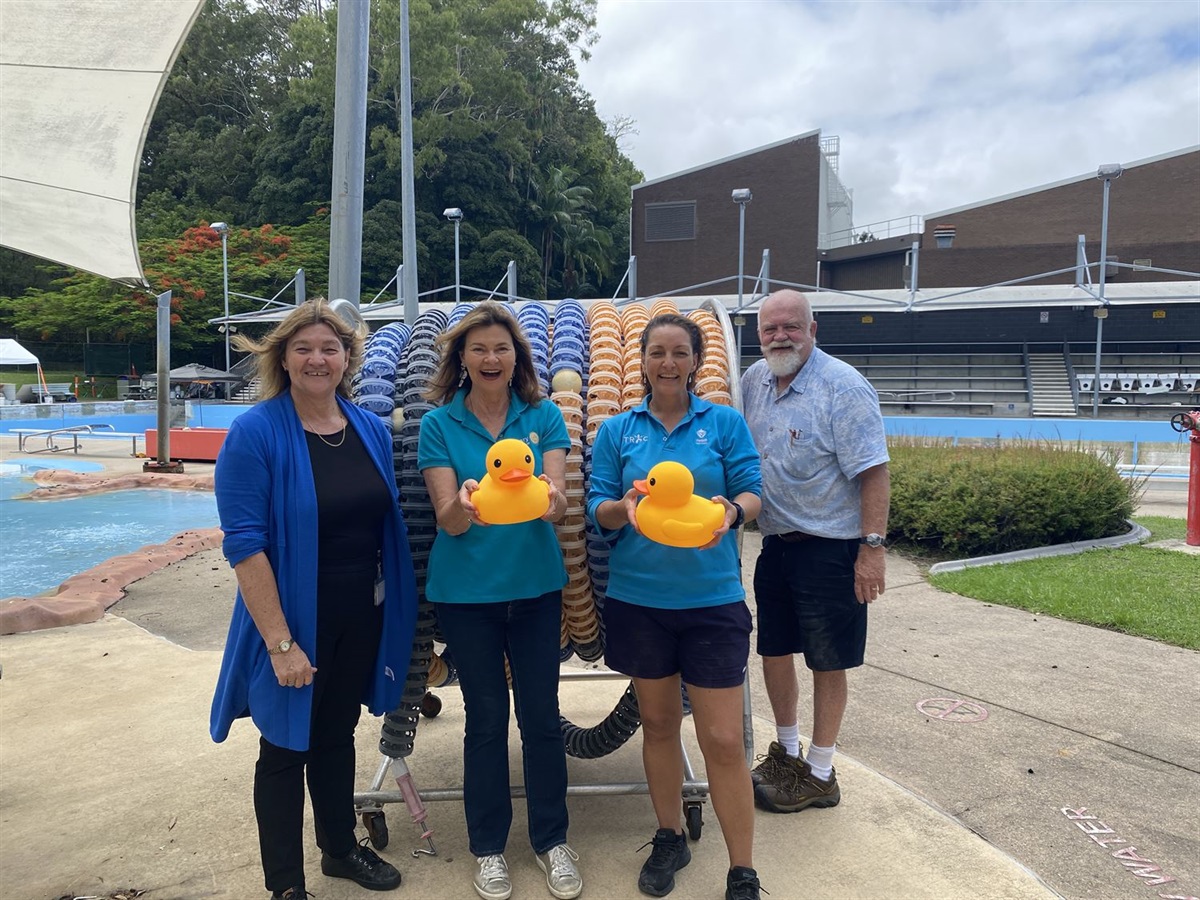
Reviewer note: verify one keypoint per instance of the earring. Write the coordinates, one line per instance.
(462, 375)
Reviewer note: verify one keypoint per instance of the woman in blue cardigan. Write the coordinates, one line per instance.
(326, 603)
(679, 615)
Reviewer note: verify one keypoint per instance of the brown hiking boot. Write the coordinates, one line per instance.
(798, 792)
(776, 766)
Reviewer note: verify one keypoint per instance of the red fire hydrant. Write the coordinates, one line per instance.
(1182, 422)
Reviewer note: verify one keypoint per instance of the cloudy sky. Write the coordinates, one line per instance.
(937, 104)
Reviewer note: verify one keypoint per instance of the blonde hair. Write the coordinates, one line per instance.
(271, 350)
(449, 377)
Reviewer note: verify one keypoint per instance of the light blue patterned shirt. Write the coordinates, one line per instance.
(815, 439)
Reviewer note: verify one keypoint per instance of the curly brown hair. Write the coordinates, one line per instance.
(271, 349)
(695, 336)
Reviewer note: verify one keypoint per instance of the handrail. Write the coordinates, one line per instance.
(75, 432)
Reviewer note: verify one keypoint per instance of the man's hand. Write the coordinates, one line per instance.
(869, 573)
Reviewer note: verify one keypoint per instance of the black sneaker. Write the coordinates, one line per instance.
(296, 893)
(670, 853)
(363, 866)
(742, 884)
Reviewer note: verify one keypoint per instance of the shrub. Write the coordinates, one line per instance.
(966, 500)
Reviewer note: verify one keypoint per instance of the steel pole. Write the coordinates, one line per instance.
(163, 397)
(225, 278)
(408, 286)
(349, 151)
(741, 250)
(1103, 304)
(457, 279)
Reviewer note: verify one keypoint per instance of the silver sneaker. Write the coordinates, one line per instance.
(492, 881)
(562, 876)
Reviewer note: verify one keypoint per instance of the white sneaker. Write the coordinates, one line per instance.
(562, 876)
(492, 881)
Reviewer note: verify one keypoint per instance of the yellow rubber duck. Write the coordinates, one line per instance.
(508, 493)
(670, 513)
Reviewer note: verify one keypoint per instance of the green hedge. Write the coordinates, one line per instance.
(982, 500)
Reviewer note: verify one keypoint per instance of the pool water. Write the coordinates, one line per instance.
(47, 541)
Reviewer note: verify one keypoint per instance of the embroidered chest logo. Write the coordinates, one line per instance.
(701, 436)
(533, 438)
(635, 439)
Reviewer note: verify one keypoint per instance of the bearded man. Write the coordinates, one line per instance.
(826, 489)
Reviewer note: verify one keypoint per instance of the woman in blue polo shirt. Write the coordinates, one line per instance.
(677, 614)
(498, 590)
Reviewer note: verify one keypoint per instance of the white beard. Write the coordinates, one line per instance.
(783, 364)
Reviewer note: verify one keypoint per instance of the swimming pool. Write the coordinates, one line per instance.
(48, 541)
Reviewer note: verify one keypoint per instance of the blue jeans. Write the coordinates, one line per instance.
(480, 635)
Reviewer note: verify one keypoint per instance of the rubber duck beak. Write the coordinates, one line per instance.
(641, 487)
(514, 475)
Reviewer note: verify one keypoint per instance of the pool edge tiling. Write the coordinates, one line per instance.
(87, 596)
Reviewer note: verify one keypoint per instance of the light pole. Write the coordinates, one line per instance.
(741, 196)
(454, 214)
(1106, 173)
(223, 230)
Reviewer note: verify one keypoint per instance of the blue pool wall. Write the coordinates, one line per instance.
(138, 416)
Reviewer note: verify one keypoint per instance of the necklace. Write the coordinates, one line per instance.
(321, 437)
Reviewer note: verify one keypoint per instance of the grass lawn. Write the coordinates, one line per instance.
(1137, 590)
(105, 386)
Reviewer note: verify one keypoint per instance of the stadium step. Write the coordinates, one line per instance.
(1051, 388)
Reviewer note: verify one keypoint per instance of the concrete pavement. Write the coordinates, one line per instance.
(987, 752)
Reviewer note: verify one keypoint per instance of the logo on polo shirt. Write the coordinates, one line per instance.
(533, 438)
(701, 436)
(635, 439)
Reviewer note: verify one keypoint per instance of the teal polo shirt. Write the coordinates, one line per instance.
(496, 563)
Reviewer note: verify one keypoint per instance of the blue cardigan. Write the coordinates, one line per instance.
(267, 502)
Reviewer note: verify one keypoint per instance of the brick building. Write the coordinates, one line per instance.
(685, 232)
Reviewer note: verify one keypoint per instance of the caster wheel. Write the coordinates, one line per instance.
(693, 815)
(377, 830)
(431, 705)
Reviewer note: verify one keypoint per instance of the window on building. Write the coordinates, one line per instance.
(671, 221)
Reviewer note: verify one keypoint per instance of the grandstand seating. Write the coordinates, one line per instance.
(945, 383)
(1137, 385)
(933, 381)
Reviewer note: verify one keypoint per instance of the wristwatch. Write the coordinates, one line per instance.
(873, 540)
(741, 515)
(282, 647)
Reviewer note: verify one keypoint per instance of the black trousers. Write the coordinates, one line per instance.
(348, 631)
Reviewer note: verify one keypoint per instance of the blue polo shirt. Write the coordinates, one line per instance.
(715, 444)
(496, 563)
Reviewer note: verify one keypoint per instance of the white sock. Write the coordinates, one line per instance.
(820, 759)
(789, 736)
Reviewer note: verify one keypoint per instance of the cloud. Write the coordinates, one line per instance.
(936, 104)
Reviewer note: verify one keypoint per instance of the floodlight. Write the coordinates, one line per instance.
(742, 195)
(1109, 170)
(454, 214)
(219, 227)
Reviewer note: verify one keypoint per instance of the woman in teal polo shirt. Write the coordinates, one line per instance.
(675, 614)
(498, 590)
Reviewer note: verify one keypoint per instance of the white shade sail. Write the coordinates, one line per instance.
(79, 80)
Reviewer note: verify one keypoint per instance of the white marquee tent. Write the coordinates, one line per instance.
(13, 354)
(79, 80)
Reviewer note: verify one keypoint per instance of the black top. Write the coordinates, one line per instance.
(352, 501)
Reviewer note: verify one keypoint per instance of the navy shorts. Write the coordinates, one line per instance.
(707, 645)
(805, 597)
